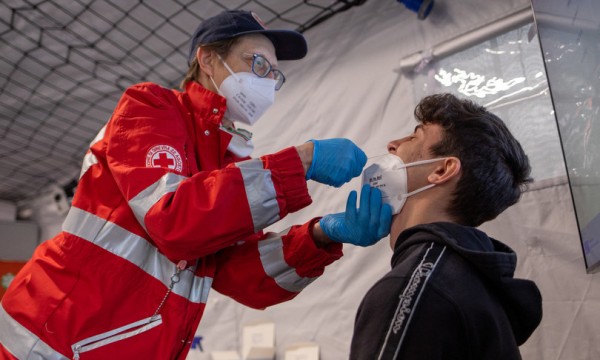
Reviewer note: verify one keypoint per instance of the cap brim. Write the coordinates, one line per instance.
(289, 44)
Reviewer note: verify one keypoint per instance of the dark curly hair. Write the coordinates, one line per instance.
(494, 167)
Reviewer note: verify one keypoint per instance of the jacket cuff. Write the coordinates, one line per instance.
(287, 174)
(306, 257)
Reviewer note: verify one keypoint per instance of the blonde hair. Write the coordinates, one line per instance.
(220, 47)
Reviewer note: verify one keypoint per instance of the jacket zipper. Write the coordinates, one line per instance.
(106, 338)
(121, 333)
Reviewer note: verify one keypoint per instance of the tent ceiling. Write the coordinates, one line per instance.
(65, 63)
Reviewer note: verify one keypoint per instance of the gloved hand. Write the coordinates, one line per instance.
(362, 227)
(335, 161)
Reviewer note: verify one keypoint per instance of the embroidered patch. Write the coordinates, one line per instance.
(164, 156)
(258, 20)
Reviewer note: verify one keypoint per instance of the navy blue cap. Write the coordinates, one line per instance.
(289, 44)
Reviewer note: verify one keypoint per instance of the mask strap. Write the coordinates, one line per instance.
(421, 162)
(418, 190)
(228, 68)
(215, 84)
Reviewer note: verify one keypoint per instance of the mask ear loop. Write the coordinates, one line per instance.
(228, 68)
(420, 162)
(215, 84)
(404, 196)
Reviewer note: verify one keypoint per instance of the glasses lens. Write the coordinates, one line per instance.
(260, 66)
(278, 76)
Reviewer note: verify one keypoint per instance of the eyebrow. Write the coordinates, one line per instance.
(420, 126)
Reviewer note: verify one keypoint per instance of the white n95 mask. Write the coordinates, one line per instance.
(248, 96)
(388, 174)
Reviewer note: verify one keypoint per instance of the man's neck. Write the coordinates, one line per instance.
(411, 216)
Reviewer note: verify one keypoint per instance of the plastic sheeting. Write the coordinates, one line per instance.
(349, 86)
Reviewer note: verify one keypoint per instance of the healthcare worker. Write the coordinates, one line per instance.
(169, 205)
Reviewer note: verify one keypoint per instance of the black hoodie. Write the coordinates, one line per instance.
(450, 294)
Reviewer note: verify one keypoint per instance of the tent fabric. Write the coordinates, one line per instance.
(350, 86)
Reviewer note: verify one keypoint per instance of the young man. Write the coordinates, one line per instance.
(169, 205)
(451, 292)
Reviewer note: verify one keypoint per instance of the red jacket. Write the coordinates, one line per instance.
(158, 189)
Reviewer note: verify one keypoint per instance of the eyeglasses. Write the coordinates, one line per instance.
(261, 67)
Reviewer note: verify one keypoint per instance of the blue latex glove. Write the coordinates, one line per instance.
(335, 161)
(364, 226)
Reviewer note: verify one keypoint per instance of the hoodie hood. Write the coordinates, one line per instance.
(494, 261)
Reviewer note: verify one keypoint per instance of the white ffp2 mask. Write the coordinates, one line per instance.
(248, 96)
(388, 174)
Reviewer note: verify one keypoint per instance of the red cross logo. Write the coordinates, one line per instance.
(164, 156)
(164, 160)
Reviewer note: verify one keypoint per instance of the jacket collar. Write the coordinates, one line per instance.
(211, 106)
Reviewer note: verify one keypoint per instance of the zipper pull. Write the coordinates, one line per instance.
(76, 352)
(181, 265)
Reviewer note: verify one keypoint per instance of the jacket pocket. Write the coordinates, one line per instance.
(112, 336)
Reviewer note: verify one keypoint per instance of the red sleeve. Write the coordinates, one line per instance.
(190, 216)
(274, 269)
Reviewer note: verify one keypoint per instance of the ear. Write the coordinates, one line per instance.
(448, 170)
(206, 59)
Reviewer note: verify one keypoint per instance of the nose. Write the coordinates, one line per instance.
(393, 145)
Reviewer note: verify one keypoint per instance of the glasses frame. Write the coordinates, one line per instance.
(277, 74)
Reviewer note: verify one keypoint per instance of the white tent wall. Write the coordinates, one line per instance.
(349, 86)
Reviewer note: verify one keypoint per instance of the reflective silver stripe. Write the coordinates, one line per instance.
(136, 250)
(143, 201)
(271, 257)
(99, 136)
(90, 159)
(261, 194)
(22, 343)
